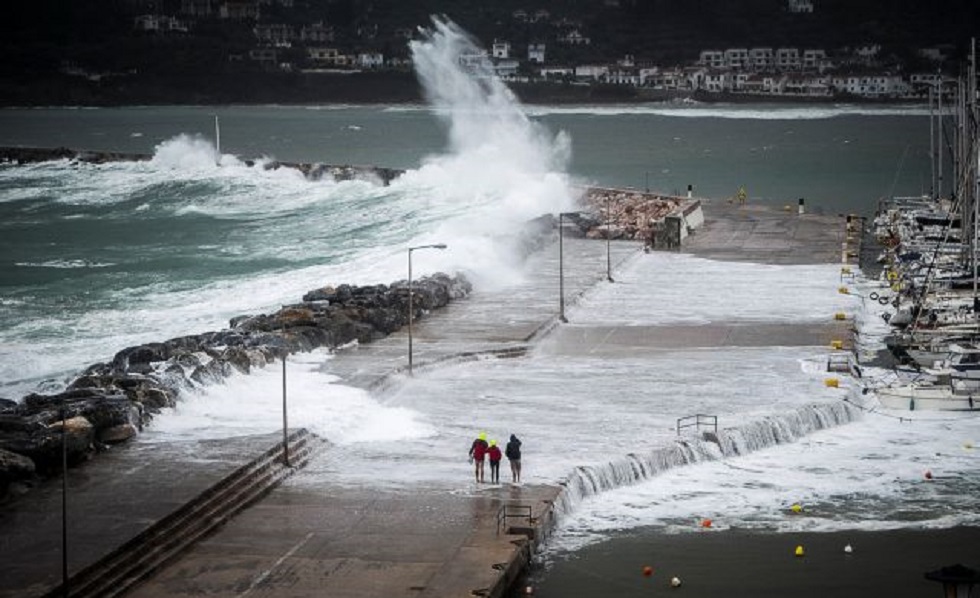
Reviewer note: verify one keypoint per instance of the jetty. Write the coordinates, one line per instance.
(311, 170)
(285, 529)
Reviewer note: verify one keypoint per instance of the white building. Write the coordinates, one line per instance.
(788, 59)
(714, 59)
(317, 33)
(535, 53)
(815, 60)
(800, 6)
(736, 58)
(161, 23)
(370, 60)
(761, 59)
(591, 71)
(556, 72)
(501, 50)
(506, 68)
(717, 81)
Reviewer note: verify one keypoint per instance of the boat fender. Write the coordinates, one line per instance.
(874, 295)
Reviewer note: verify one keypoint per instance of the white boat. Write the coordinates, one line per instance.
(923, 396)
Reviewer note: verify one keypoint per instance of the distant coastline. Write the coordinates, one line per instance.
(383, 87)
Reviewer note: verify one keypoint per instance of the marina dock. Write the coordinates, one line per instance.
(305, 536)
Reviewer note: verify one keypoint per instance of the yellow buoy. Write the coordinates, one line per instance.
(843, 291)
(840, 316)
(836, 344)
(831, 382)
(796, 508)
(799, 550)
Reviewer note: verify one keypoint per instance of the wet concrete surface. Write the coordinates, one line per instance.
(312, 538)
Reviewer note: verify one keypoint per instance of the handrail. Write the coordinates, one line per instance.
(505, 513)
(696, 420)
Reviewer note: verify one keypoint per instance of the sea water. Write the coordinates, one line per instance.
(99, 257)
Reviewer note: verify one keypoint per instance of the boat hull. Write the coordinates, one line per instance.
(926, 398)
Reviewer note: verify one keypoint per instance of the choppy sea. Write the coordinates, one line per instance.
(95, 258)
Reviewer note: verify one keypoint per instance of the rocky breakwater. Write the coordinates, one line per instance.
(110, 402)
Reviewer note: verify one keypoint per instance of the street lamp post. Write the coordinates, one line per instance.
(285, 426)
(561, 267)
(411, 306)
(608, 237)
(65, 588)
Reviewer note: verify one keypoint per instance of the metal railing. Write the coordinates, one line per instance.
(507, 512)
(696, 421)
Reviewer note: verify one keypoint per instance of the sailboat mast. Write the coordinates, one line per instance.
(939, 102)
(932, 147)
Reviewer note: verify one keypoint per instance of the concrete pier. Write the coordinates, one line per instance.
(310, 537)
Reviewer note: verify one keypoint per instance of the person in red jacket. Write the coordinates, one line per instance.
(494, 454)
(478, 452)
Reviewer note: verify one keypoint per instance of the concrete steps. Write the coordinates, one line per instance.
(136, 560)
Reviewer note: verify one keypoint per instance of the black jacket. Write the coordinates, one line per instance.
(513, 451)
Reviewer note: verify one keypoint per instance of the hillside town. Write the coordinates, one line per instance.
(805, 72)
(357, 50)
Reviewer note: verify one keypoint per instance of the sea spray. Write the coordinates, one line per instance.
(500, 170)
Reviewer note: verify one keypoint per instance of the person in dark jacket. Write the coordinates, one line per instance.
(494, 455)
(513, 452)
(478, 452)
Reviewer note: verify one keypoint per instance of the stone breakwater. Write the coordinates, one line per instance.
(314, 171)
(110, 402)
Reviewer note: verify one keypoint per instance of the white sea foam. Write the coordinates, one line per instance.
(734, 111)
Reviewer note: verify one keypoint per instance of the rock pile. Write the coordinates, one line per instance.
(110, 402)
(631, 214)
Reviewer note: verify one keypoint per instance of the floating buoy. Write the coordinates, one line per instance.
(796, 508)
(840, 316)
(831, 382)
(705, 522)
(843, 291)
(529, 590)
(928, 475)
(835, 344)
(675, 582)
(799, 550)
(848, 549)
(647, 571)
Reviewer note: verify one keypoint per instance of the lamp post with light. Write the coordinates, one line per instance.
(411, 306)
(561, 266)
(608, 241)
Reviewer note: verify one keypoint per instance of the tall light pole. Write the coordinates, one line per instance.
(608, 237)
(65, 588)
(561, 267)
(285, 425)
(411, 306)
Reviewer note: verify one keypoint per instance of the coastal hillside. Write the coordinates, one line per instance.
(106, 52)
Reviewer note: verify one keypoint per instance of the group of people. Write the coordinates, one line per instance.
(481, 450)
